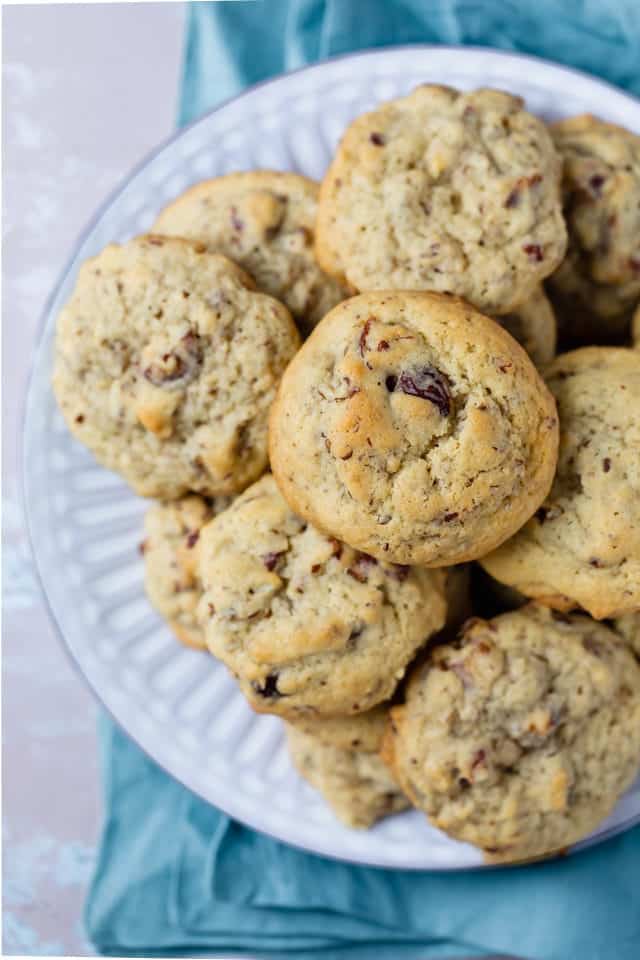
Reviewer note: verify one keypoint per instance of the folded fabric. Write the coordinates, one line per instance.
(175, 876)
(231, 45)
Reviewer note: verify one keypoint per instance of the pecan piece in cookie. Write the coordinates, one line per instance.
(178, 366)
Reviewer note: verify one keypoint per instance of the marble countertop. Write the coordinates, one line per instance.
(89, 89)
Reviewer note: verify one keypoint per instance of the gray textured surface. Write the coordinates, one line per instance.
(88, 90)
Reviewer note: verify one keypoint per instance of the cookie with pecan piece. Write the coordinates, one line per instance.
(446, 191)
(264, 221)
(413, 428)
(170, 550)
(166, 363)
(521, 736)
(339, 756)
(582, 546)
(307, 624)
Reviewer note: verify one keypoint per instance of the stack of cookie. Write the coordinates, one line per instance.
(323, 502)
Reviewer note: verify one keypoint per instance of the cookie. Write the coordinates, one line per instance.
(305, 622)
(598, 283)
(355, 782)
(628, 627)
(582, 547)
(533, 325)
(264, 221)
(413, 428)
(170, 550)
(520, 737)
(166, 363)
(439, 190)
(360, 732)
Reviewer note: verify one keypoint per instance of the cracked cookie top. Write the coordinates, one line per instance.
(601, 195)
(306, 623)
(439, 190)
(170, 550)
(166, 363)
(264, 221)
(413, 428)
(582, 547)
(520, 736)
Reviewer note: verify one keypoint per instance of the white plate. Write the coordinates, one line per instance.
(182, 706)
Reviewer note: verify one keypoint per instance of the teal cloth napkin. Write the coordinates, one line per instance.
(231, 45)
(176, 877)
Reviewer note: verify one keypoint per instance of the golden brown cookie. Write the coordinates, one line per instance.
(413, 428)
(598, 283)
(166, 363)
(361, 732)
(264, 221)
(306, 623)
(582, 547)
(345, 767)
(170, 550)
(446, 191)
(522, 735)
